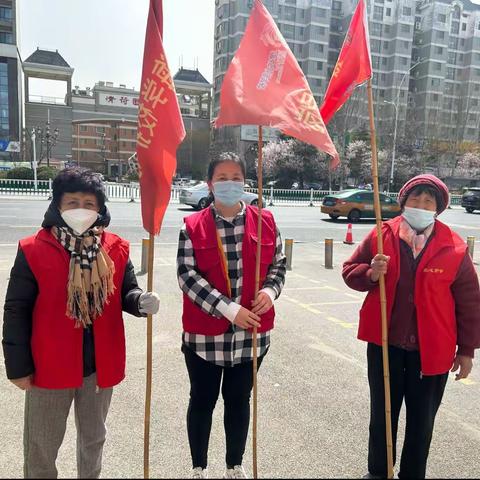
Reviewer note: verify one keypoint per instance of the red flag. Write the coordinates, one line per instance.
(264, 85)
(353, 67)
(160, 125)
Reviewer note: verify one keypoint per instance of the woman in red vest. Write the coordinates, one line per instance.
(216, 272)
(433, 302)
(63, 334)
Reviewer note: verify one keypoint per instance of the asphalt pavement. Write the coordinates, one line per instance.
(313, 390)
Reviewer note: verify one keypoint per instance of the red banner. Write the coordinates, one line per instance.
(160, 125)
(264, 85)
(353, 67)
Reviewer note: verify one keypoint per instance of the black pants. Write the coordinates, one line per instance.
(205, 379)
(422, 399)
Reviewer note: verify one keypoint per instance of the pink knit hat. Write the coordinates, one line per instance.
(443, 196)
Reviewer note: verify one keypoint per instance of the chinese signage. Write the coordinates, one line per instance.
(250, 133)
(116, 100)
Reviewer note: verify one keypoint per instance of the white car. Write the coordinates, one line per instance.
(197, 196)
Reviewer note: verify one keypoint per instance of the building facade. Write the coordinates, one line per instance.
(97, 127)
(10, 84)
(425, 59)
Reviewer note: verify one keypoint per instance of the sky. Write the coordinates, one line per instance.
(103, 39)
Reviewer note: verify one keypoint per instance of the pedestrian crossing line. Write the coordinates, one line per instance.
(340, 322)
(318, 281)
(467, 381)
(352, 295)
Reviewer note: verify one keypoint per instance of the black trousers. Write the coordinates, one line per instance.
(422, 399)
(205, 379)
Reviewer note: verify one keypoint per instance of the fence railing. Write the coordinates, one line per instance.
(131, 191)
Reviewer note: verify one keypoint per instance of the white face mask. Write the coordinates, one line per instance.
(418, 218)
(79, 219)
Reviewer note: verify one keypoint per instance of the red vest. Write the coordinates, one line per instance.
(434, 303)
(202, 231)
(57, 345)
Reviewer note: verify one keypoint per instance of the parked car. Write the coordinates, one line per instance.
(357, 204)
(197, 196)
(471, 199)
(306, 186)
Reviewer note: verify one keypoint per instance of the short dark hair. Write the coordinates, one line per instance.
(78, 179)
(429, 190)
(225, 157)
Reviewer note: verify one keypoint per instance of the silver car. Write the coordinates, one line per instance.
(197, 196)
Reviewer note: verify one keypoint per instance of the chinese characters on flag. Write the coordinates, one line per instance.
(160, 125)
(264, 85)
(353, 67)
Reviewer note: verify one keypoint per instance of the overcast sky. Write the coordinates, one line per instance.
(103, 39)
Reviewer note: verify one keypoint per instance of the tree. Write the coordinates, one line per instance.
(288, 160)
(468, 166)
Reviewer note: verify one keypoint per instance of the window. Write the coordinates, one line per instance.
(375, 61)
(405, 28)
(406, 45)
(318, 48)
(440, 35)
(100, 129)
(5, 13)
(319, 65)
(403, 60)
(474, 102)
(84, 141)
(83, 128)
(437, 66)
(375, 45)
(319, 12)
(289, 13)
(435, 82)
(386, 43)
(450, 73)
(455, 27)
(386, 28)
(438, 50)
(378, 12)
(435, 97)
(6, 37)
(336, 5)
(384, 61)
(377, 29)
(441, 17)
(389, 12)
(407, 11)
(464, 27)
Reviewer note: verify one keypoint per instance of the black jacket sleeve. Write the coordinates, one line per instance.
(21, 295)
(131, 291)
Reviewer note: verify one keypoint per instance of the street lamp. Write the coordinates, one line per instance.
(395, 106)
(48, 139)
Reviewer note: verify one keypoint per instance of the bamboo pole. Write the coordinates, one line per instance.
(148, 387)
(257, 286)
(383, 297)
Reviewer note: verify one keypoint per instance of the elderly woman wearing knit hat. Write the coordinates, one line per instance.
(433, 301)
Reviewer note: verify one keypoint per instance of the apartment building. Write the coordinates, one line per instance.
(425, 59)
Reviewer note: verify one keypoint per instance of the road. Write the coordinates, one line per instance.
(313, 390)
(304, 224)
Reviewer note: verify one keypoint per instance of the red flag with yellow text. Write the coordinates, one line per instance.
(264, 85)
(160, 125)
(353, 67)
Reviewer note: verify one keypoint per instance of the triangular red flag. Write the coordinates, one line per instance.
(264, 85)
(353, 67)
(160, 125)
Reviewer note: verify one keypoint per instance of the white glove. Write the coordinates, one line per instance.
(148, 303)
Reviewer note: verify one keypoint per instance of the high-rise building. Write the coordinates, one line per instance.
(445, 87)
(10, 79)
(425, 59)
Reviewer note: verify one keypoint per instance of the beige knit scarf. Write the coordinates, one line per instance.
(90, 278)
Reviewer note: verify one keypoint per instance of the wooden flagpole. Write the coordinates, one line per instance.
(383, 297)
(257, 286)
(148, 387)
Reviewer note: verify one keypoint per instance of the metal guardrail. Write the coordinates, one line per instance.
(131, 191)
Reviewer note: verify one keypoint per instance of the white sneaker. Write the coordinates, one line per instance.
(236, 472)
(199, 472)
